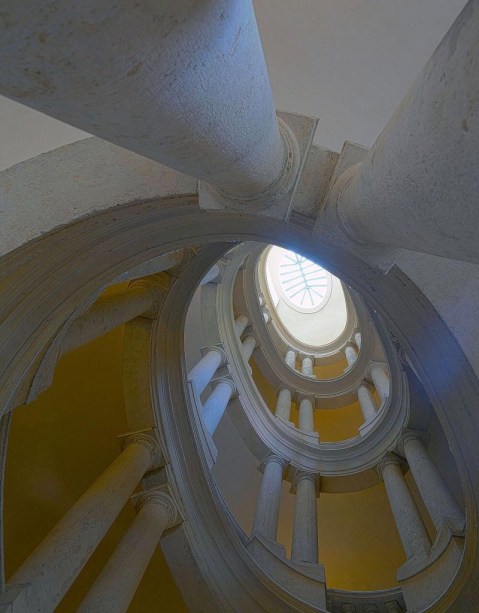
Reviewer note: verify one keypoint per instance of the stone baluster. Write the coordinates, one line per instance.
(290, 358)
(304, 546)
(248, 344)
(434, 491)
(351, 355)
(212, 276)
(306, 413)
(307, 366)
(241, 321)
(357, 339)
(117, 583)
(215, 406)
(110, 311)
(366, 402)
(51, 569)
(380, 379)
(411, 528)
(266, 316)
(267, 507)
(283, 404)
(202, 373)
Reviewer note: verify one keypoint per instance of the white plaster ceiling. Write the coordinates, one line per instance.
(348, 62)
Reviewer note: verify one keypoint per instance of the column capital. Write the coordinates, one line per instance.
(303, 475)
(228, 381)
(148, 440)
(363, 383)
(409, 435)
(273, 457)
(388, 458)
(218, 348)
(160, 496)
(375, 363)
(300, 396)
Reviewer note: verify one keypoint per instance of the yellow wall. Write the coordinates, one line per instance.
(58, 445)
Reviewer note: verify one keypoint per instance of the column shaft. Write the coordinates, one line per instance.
(357, 339)
(306, 417)
(267, 507)
(145, 73)
(56, 562)
(307, 366)
(283, 404)
(107, 313)
(425, 158)
(411, 528)
(437, 496)
(216, 404)
(116, 585)
(249, 343)
(366, 402)
(351, 355)
(305, 528)
(290, 359)
(240, 324)
(204, 370)
(380, 380)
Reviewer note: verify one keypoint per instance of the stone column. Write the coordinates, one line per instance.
(357, 339)
(290, 359)
(425, 158)
(116, 585)
(366, 402)
(380, 380)
(213, 274)
(306, 416)
(148, 60)
(241, 321)
(351, 355)
(283, 404)
(307, 366)
(249, 343)
(437, 496)
(411, 528)
(109, 312)
(305, 527)
(267, 507)
(266, 316)
(56, 562)
(215, 406)
(204, 370)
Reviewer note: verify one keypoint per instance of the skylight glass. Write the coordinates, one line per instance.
(303, 282)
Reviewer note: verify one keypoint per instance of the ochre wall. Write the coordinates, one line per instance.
(58, 445)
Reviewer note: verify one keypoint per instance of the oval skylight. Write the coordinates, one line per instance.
(305, 285)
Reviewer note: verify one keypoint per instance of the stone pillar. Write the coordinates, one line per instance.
(306, 416)
(283, 404)
(241, 321)
(351, 355)
(213, 274)
(56, 562)
(380, 380)
(204, 370)
(267, 507)
(357, 339)
(109, 312)
(116, 585)
(215, 406)
(305, 527)
(232, 141)
(366, 402)
(411, 528)
(437, 496)
(307, 366)
(249, 343)
(425, 158)
(266, 316)
(290, 359)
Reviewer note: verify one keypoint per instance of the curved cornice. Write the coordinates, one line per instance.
(60, 270)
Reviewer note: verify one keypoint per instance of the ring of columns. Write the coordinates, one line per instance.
(170, 391)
